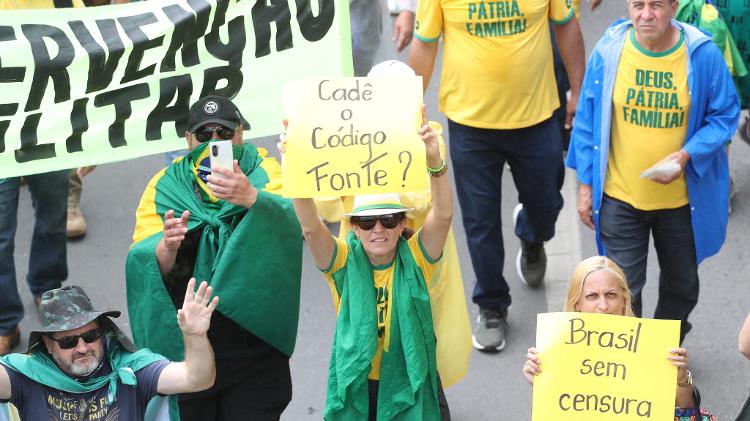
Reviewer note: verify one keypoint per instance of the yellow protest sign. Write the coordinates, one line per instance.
(603, 367)
(351, 136)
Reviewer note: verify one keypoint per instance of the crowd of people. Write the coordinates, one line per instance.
(214, 295)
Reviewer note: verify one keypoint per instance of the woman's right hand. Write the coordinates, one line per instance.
(531, 368)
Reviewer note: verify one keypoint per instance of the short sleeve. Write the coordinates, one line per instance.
(148, 379)
(561, 11)
(421, 258)
(338, 260)
(429, 20)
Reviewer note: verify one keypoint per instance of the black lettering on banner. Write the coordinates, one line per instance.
(188, 28)
(230, 52)
(46, 67)
(141, 43)
(80, 123)
(102, 61)
(8, 74)
(180, 86)
(121, 99)
(30, 150)
(314, 28)
(211, 77)
(263, 14)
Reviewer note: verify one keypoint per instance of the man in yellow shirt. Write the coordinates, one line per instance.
(656, 109)
(498, 91)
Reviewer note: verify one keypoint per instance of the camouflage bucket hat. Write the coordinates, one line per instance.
(63, 309)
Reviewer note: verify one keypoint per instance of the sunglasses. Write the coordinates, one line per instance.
(68, 342)
(367, 223)
(204, 134)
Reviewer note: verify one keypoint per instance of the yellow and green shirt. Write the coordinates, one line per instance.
(497, 59)
(650, 105)
(383, 280)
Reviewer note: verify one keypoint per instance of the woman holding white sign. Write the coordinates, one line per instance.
(391, 349)
(598, 285)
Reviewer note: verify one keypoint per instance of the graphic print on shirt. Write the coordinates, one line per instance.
(381, 301)
(73, 407)
(495, 19)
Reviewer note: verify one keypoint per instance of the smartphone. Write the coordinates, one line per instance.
(220, 155)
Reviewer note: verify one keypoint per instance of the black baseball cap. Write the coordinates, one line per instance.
(215, 109)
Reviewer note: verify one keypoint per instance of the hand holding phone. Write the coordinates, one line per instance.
(220, 155)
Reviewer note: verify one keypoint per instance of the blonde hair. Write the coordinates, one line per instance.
(584, 269)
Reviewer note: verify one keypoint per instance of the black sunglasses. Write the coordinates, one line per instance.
(204, 134)
(68, 342)
(367, 223)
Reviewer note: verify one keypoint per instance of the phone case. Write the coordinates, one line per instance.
(220, 155)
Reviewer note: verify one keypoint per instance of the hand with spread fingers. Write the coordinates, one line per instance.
(175, 229)
(194, 318)
(234, 187)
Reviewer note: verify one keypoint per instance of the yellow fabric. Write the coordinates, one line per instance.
(383, 280)
(447, 297)
(148, 222)
(497, 59)
(33, 4)
(650, 108)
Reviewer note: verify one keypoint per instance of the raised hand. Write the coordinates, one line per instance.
(430, 139)
(175, 229)
(194, 318)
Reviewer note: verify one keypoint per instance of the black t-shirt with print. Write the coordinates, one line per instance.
(36, 402)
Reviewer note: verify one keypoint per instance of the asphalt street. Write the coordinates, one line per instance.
(494, 387)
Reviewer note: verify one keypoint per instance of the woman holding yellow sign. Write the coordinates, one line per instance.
(598, 285)
(383, 362)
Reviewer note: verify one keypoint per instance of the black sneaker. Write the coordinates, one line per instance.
(531, 261)
(489, 335)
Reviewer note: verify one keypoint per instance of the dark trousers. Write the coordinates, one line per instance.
(48, 265)
(625, 235)
(373, 387)
(257, 390)
(479, 155)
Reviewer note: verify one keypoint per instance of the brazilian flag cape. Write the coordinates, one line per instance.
(254, 266)
(704, 15)
(408, 373)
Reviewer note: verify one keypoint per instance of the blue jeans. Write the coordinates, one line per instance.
(48, 265)
(625, 235)
(479, 155)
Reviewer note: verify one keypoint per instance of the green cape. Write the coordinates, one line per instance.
(254, 266)
(408, 372)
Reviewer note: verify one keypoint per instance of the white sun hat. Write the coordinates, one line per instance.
(391, 68)
(377, 204)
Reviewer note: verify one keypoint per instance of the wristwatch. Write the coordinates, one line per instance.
(688, 382)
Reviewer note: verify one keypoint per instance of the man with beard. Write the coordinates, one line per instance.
(80, 366)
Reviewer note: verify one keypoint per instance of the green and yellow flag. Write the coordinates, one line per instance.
(251, 257)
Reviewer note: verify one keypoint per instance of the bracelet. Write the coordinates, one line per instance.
(437, 172)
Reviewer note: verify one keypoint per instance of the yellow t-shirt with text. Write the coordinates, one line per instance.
(383, 280)
(650, 105)
(497, 59)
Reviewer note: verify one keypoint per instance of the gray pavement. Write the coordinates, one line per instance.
(494, 387)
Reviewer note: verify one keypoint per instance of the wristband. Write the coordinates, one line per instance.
(437, 172)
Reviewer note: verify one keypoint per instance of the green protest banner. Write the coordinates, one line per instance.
(104, 84)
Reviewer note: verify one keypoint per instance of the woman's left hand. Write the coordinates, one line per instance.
(430, 138)
(679, 359)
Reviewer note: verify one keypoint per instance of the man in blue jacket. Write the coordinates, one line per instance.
(656, 109)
